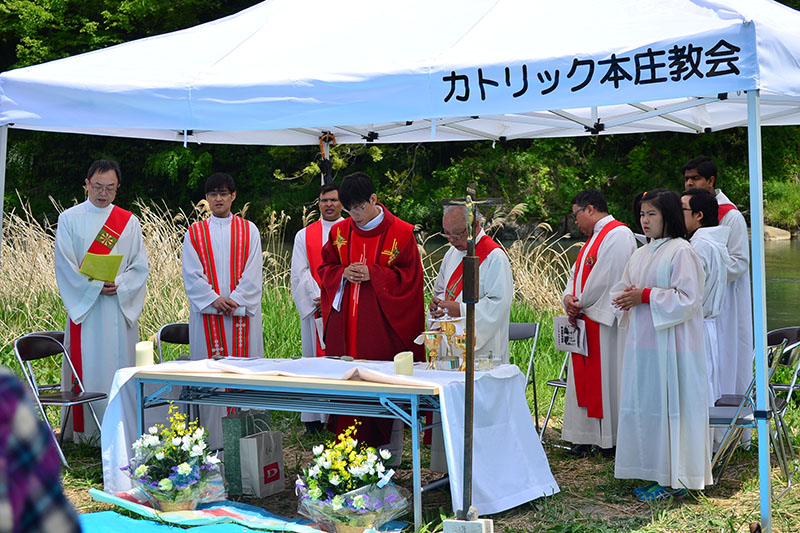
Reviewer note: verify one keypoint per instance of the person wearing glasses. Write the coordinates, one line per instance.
(222, 274)
(306, 258)
(371, 288)
(591, 402)
(495, 290)
(103, 316)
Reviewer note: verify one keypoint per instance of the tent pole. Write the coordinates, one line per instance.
(3, 152)
(759, 300)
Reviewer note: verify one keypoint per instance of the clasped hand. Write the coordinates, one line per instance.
(630, 297)
(356, 272)
(225, 305)
(438, 307)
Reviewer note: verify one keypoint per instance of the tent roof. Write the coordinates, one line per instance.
(283, 71)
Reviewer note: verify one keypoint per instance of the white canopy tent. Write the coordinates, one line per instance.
(287, 71)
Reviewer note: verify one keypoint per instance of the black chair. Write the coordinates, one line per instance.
(518, 331)
(175, 333)
(792, 337)
(558, 384)
(41, 345)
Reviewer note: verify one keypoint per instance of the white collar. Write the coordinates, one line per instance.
(374, 223)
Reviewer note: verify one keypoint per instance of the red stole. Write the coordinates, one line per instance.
(586, 370)
(200, 237)
(482, 249)
(724, 209)
(381, 248)
(314, 255)
(102, 244)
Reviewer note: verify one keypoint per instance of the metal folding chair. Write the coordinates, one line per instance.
(41, 345)
(174, 333)
(518, 331)
(558, 384)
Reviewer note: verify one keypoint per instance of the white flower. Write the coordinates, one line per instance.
(313, 471)
(165, 484)
(212, 459)
(380, 468)
(186, 443)
(325, 463)
(184, 469)
(137, 444)
(199, 433)
(371, 457)
(153, 430)
(334, 479)
(385, 454)
(318, 449)
(176, 441)
(160, 455)
(150, 441)
(180, 427)
(197, 450)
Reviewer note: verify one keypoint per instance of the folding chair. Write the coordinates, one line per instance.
(735, 419)
(557, 384)
(175, 333)
(40, 345)
(792, 352)
(518, 331)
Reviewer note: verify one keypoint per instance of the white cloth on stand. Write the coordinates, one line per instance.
(612, 256)
(304, 290)
(109, 324)
(200, 294)
(509, 463)
(663, 431)
(735, 321)
(709, 243)
(495, 293)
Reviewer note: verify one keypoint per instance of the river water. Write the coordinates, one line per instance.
(782, 260)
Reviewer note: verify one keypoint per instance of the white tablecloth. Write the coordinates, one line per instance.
(509, 464)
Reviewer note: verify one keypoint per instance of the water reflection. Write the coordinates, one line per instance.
(782, 260)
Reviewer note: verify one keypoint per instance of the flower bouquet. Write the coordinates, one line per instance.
(347, 487)
(173, 466)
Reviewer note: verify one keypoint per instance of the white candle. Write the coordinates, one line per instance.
(144, 353)
(404, 364)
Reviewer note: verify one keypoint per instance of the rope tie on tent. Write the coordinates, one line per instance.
(326, 142)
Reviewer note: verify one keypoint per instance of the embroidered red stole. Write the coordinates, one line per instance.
(214, 325)
(586, 369)
(314, 255)
(482, 249)
(102, 244)
(381, 249)
(724, 209)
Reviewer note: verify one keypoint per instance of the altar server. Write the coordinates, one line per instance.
(735, 322)
(708, 240)
(306, 259)
(592, 396)
(663, 418)
(222, 264)
(103, 317)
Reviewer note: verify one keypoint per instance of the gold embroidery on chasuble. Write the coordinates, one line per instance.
(391, 253)
(339, 242)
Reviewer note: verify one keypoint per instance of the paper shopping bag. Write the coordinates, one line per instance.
(262, 464)
(569, 338)
(234, 427)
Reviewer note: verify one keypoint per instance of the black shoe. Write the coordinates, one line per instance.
(580, 450)
(608, 453)
(315, 427)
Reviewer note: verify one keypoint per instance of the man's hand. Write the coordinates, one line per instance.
(317, 306)
(225, 305)
(109, 289)
(356, 272)
(574, 309)
(630, 297)
(439, 306)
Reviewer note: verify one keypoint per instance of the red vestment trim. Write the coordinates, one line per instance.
(482, 249)
(586, 369)
(214, 325)
(724, 209)
(102, 244)
(314, 255)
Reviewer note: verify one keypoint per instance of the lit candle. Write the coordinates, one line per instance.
(404, 364)
(144, 353)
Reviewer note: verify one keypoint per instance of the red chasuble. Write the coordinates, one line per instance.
(314, 255)
(586, 370)
(724, 209)
(102, 244)
(380, 317)
(214, 324)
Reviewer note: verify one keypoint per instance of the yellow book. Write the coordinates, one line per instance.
(102, 267)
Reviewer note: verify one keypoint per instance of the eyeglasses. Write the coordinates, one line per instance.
(357, 209)
(574, 214)
(453, 236)
(97, 187)
(218, 194)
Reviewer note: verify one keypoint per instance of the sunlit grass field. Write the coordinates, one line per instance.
(591, 499)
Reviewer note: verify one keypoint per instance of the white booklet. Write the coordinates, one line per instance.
(568, 337)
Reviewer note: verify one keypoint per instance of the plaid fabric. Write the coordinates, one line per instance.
(31, 497)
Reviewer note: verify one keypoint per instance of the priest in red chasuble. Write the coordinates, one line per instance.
(371, 287)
